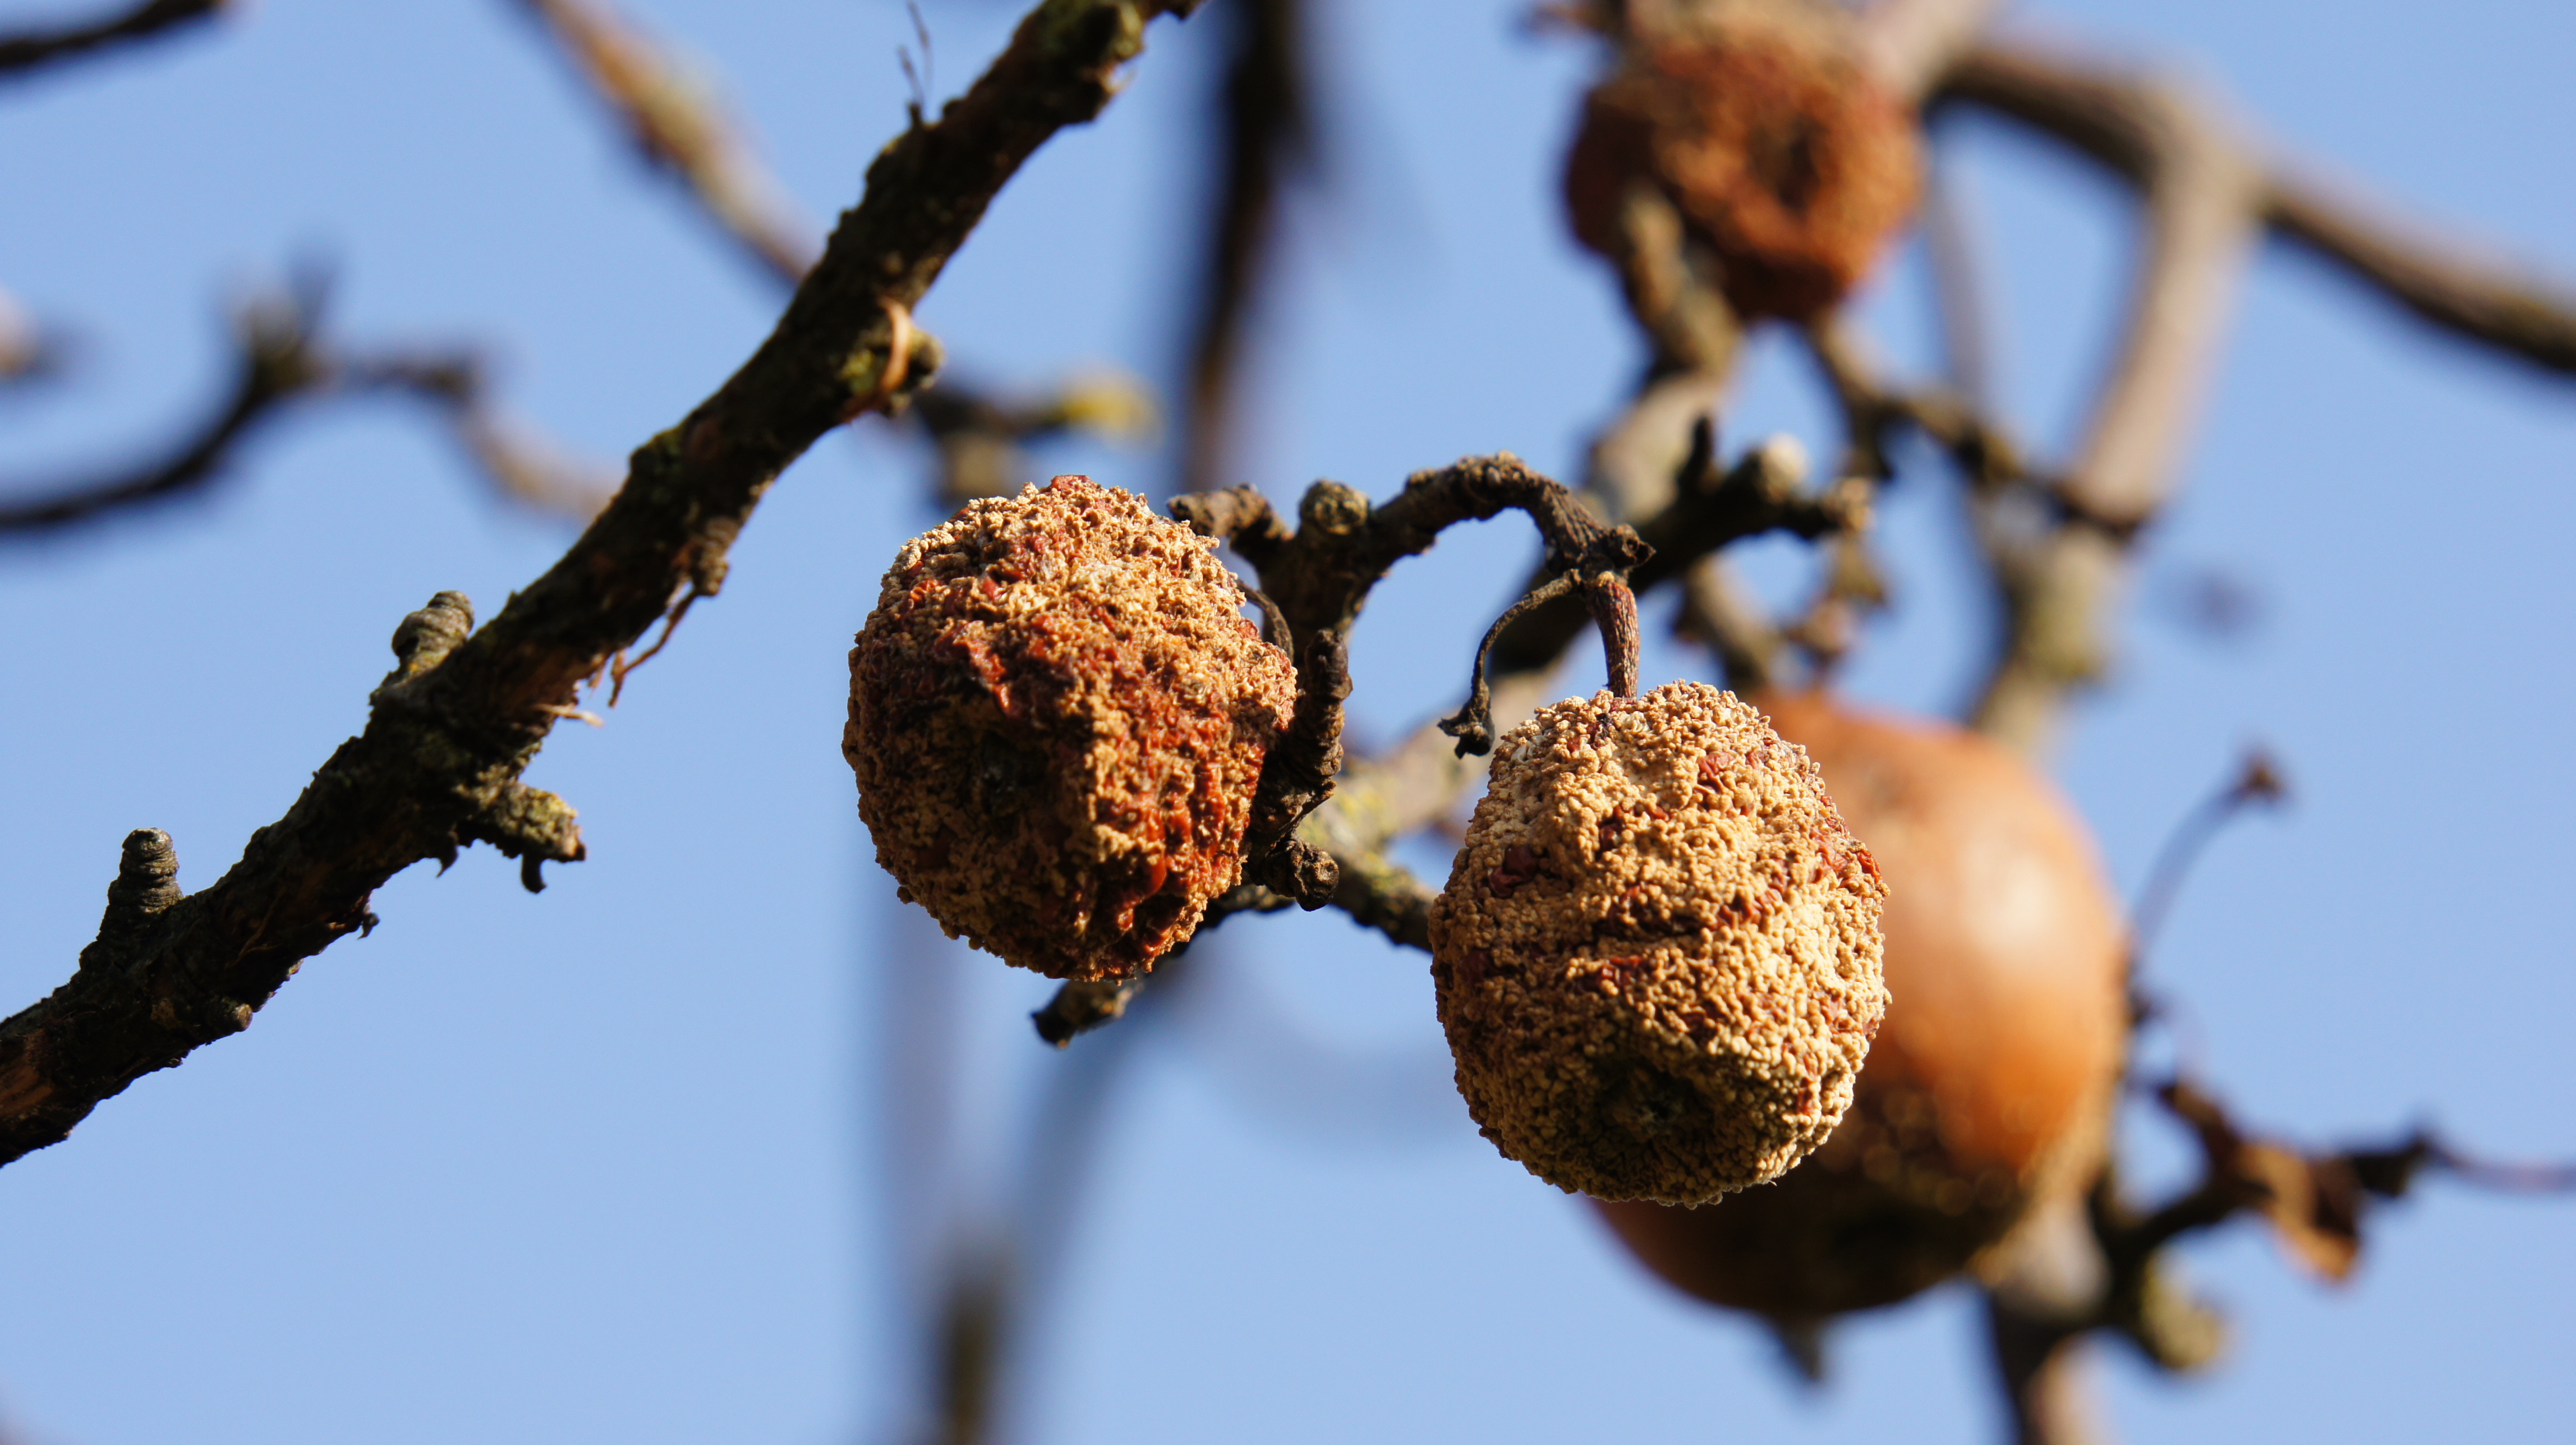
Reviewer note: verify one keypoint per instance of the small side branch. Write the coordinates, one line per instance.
(982, 438)
(1321, 574)
(2258, 780)
(1711, 510)
(2121, 1281)
(2058, 588)
(1911, 44)
(1078, 1008)
(682, 130)
(1298, 776)
(35, 49)
(1473, 725)
(281, 361)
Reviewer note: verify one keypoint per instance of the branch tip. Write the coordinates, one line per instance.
(424, 638)
(1078, 1008)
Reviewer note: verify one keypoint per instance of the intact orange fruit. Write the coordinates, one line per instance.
(1990, 1085)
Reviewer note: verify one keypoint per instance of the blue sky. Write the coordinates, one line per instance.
(613, 1162)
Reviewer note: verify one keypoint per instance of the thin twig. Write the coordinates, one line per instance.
(982, 439)
(1953, 255)
(2433, 278)
(2200, 224)
(1763, 492)
(278, 363)
(1473, 724)
(1320, 576)
(2258, 780)
(1078, 1008)
(682, 129)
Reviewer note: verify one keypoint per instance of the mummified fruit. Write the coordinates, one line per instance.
(1657, 958)
(1058, 717)
(1989, 1088)
(1782, 152)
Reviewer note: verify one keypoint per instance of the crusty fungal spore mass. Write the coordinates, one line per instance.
(1058, 718)
(1658, 954)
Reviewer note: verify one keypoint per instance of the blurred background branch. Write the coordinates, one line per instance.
(280, 360)
(27, 351)
(1266, 141)
(2208, 194)
(681, 127)
(34, 49)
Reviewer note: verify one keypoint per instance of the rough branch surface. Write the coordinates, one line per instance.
(465, 712)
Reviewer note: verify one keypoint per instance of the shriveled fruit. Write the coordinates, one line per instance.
(1058, 717)
(1784, 155)
(1657, 956)
(1990, 1085)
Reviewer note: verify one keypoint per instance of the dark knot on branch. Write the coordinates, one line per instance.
(426, 637)
(531, 825)
(147, 884)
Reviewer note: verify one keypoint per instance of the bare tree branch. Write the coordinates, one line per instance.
(983, 439)
(33, 49)
(2201, 197)
(282, 361)
(465, 712)
(681, 129)
(1763, 492)
(2470, 296)
(1952, 251)
(278, 363)
(1911, 44)
(1321, 574)
(2111, 117)
(2207, 193)
(1268, 137)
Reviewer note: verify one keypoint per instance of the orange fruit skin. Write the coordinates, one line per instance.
(1784, 155)
(1990, 1084)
